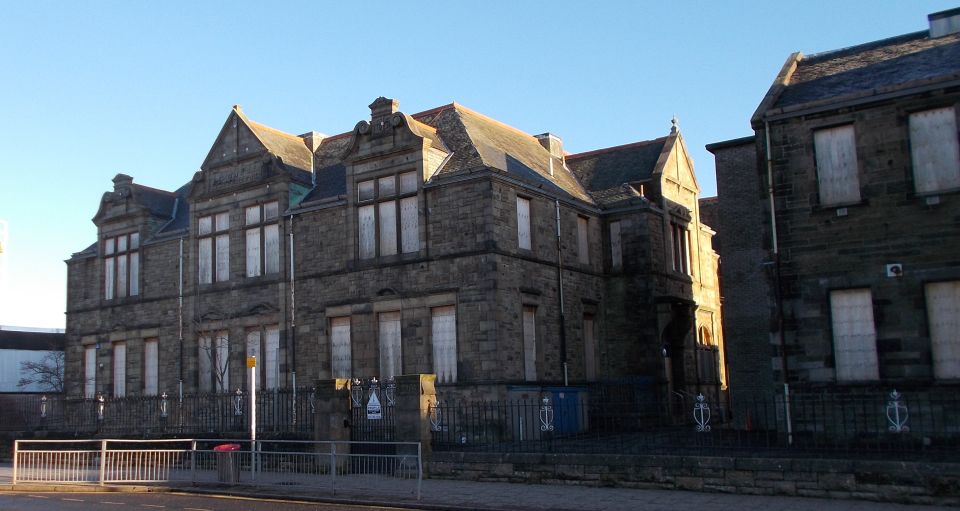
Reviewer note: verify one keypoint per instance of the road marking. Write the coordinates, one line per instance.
(38, 496)
(111, 503)
(196, 509)
(152, 505)
(71, 500)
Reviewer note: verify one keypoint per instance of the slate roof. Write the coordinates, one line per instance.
(605, 171)
(473, 141)
(510, 150)
(33, 341)
(331, 181)
(873, 67)
(290, 148)
(158, 202)
(181, 212)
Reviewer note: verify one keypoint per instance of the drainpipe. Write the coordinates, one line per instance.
(180, 317)
(563, 333)
(777, 278)
(293, 323)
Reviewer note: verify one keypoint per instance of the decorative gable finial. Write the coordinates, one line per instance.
(674, 125)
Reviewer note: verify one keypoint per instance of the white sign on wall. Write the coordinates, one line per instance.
(374, 410)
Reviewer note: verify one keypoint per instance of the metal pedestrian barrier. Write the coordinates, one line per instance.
(394, 468)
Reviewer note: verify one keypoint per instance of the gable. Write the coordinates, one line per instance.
(236, 141)
(675, 166)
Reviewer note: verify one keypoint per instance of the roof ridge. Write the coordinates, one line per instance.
(494, 121)
(815, 57)
(152, 189)
(435, 110)
(617, 147)
(291, 136)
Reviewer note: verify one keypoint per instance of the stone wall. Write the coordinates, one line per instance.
(899, 481)
(825, 248)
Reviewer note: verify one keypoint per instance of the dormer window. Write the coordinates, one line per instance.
(121, 266)
(381, 230)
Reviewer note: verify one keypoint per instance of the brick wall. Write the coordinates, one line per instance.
(745, 267)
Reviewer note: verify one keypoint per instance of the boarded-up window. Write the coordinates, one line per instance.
(122, 275)
(935, 150)
(253, 252)
(223, 258)
(368, 232)
(523, 223)
(340, 357)
(213, 263)
(121, 266)
(589, 349)
(410, 235)
(529, 343)
(616, 254)
(854, 335)
(271, 357)
(387, 186)
(151, 365)
(382, 230)
(119, 369)
(943, 314)
(837, 165)
(89, 372)
(263, 239)
(109, 274)
(205, 261)
(408, 182)
(391, 360)
(365, 191)
(271, 244)
(134, 273)
(583, 237)
(444, 336)
(388, 227)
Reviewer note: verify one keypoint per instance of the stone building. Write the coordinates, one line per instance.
(441, 242)
(841, 220)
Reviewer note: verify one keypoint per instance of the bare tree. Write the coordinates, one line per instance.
(47, 372)
(214, 355)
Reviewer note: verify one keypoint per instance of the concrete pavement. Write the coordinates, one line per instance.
(495, 496)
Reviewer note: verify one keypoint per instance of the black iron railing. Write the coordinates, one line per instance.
(280, 413)
(922, 424)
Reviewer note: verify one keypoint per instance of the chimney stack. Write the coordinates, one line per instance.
(944, 22)
(121, 182)
(551, 143)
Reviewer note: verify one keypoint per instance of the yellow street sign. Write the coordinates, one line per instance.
(251, 362)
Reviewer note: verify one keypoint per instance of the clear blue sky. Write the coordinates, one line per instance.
(91, 89)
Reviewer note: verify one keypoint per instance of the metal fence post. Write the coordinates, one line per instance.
(193, 461)
(419, 468)
(16, 452)
(333, 468)
(103, 461)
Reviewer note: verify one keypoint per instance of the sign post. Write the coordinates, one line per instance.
(252, 365)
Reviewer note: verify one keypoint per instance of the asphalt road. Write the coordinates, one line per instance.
(15, 501)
